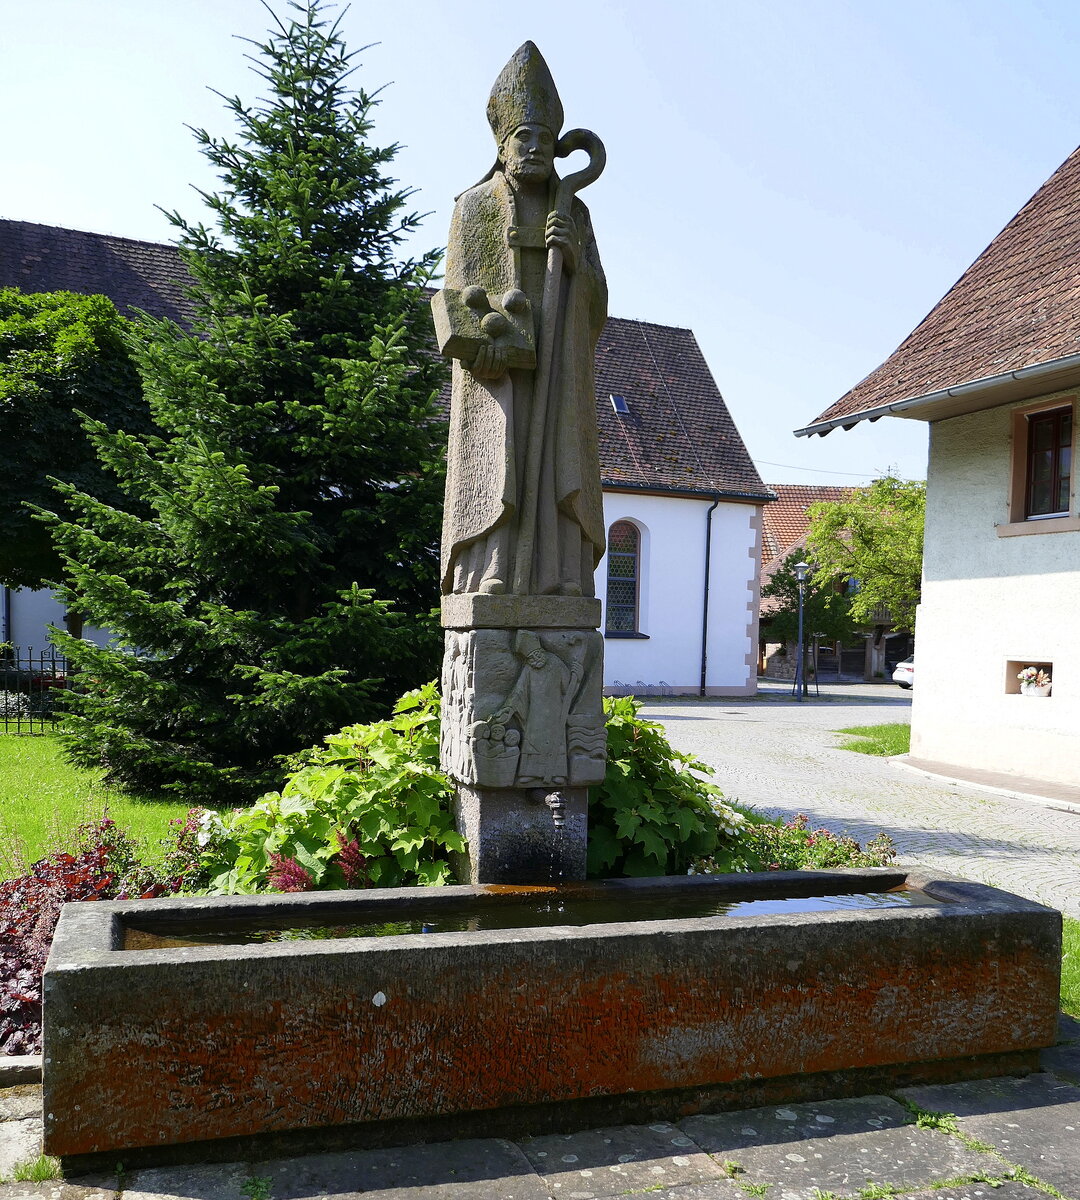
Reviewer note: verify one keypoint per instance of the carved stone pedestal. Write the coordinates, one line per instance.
(522, 732)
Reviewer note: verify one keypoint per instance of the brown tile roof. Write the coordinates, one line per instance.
(785, 525)
(43, 258)
(1016, 305)
(677, 436)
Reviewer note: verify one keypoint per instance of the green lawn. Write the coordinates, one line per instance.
(1070, 967)
(43, 798)
(878, 739)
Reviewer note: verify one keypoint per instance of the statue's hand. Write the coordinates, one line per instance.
(489, 363)
(562, 234)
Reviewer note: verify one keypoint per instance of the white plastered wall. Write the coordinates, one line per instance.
(32, 612)
(670, 596)
(989, 601)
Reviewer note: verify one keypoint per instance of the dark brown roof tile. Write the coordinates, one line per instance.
(134, 275)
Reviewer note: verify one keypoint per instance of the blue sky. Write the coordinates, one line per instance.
(798, 181)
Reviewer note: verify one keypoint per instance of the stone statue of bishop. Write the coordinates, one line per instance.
(523, 305)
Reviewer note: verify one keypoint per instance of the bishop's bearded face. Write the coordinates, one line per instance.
(528, 154)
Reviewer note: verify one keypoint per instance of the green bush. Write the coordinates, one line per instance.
(372, 809)
(656, 813)
(369, 809)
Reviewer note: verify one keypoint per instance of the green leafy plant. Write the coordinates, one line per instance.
(793, 846)
(370, 808)
(656, 812)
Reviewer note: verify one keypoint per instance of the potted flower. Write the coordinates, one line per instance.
(1034, 681)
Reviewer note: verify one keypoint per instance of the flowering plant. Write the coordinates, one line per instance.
(13, 706)
(795, 846)
(1035, 675)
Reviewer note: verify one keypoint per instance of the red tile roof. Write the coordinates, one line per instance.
(1018, 304)
(785, 521)
(677, 435)
(785, 526)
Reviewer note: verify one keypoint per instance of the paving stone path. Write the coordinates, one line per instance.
(782, 757)
(1001, 1138)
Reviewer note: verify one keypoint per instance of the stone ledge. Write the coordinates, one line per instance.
(477, 610)
(19, 1068)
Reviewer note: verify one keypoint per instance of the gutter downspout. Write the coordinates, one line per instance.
(5, 634)
(705, 595)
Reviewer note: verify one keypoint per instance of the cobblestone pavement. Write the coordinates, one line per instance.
(782, 757)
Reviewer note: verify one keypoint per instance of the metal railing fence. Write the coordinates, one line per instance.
(32, 683)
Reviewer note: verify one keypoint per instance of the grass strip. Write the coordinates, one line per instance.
(1070, 966)
(882, 740)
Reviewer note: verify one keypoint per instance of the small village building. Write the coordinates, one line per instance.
(786, 523)
(995, 371)
(873, 648)
(682, 498)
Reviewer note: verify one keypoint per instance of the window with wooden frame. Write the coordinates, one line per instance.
(1043, 494)
(623, 572)
(1049, 464)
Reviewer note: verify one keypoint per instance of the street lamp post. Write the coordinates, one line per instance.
(801, 569)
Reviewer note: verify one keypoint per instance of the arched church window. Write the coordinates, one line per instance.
(623, 571)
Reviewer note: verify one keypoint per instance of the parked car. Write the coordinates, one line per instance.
(904, 674)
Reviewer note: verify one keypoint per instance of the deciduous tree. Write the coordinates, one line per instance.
(61, 354)
(826, 609)
(874, 538)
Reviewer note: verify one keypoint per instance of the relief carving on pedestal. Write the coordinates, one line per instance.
(533, 718)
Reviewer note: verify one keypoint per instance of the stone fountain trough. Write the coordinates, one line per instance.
(176, 1050)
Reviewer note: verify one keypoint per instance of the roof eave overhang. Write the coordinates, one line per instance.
(1021, 384)
(690, 493)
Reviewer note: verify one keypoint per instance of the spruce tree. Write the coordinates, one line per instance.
(284, 580)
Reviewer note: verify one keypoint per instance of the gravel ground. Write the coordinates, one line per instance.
(782, 757)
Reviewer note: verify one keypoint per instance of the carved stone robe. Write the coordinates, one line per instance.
(489, 419)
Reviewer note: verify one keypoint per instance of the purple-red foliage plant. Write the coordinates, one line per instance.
(353, 863)
(104, 866)
(287, 875)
